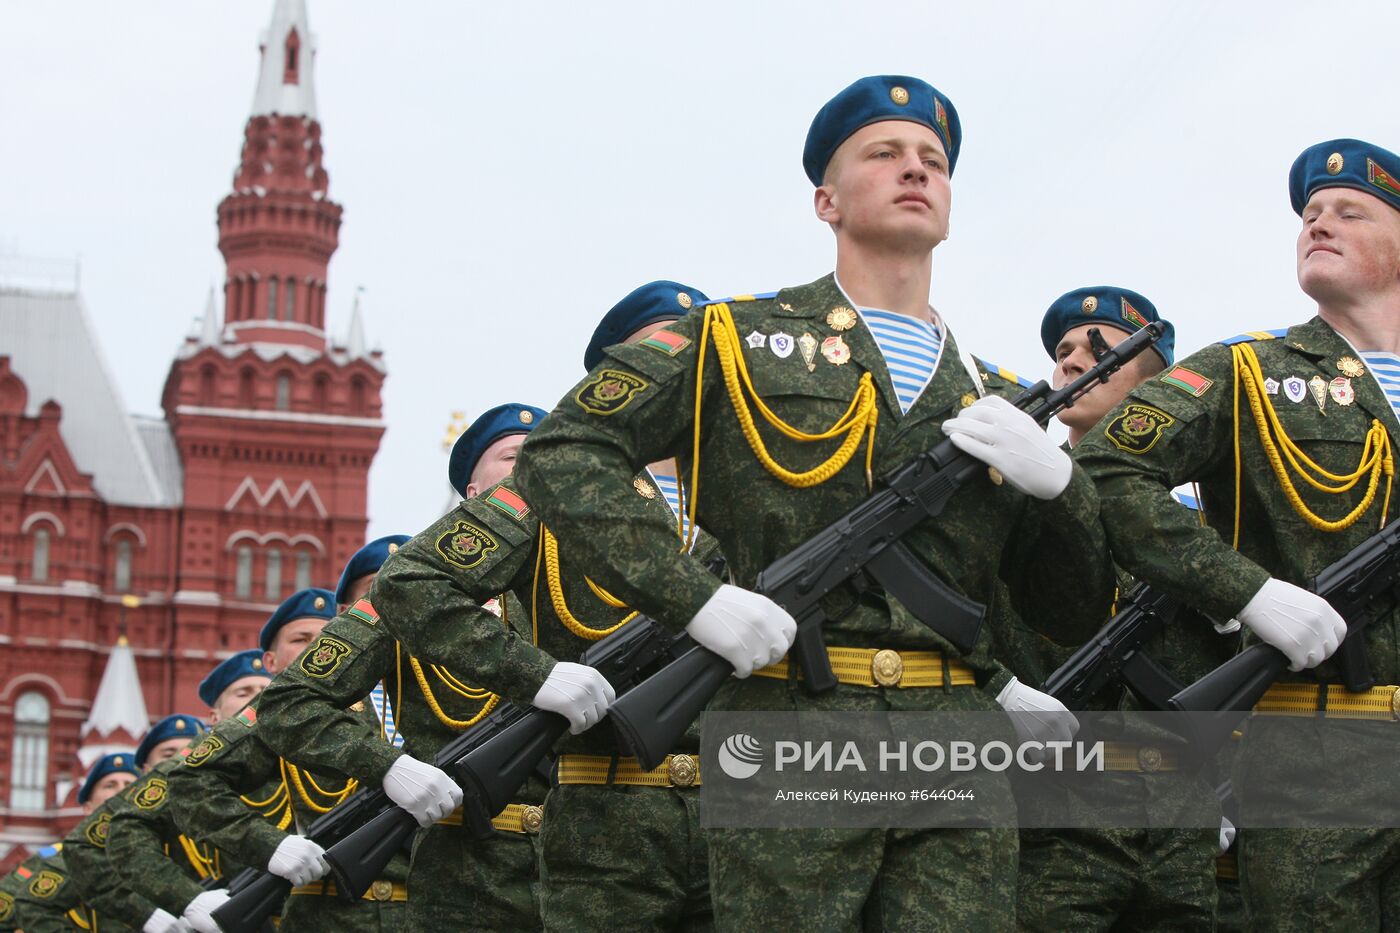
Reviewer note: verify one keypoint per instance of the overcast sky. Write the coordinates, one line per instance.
(508, 171)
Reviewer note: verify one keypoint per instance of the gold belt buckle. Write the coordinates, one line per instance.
(382, 890)
(1149, 758)
(887, 667)
(682, 770)
(531, 819)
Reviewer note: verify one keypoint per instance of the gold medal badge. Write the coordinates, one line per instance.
(808, 345)
(835, 350)
(1318, 387)
(1351, 366)
(841, 318)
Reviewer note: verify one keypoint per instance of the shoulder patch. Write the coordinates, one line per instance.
(322, 658)
(1187, 380)
(45, 883)
(1250, 336)
(666, 341)
(248, 716)
(7, 906)
(205, 750)
(364, 611)
(1138, 428)
(151, 795)
(609, 392)
(465, 545)
(508, 502)
(1006, 374)
(97, 830)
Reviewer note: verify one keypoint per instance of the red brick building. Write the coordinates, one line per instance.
(180, 533)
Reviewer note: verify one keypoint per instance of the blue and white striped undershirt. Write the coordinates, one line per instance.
(1386, 368)
(671, 491)
(911, 349)
(385, 712)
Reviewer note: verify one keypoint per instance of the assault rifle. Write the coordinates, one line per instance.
(489, 761)
(1116, 655)
(1360, 586)
(864, 547)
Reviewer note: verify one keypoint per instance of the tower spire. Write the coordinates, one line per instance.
(209, 326)
(355, 337)
(118, 716)
(285, 84)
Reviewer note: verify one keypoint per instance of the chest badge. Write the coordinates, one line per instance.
(1341, 391)
(644, 489)
(755, 340)
(1351, 366)
(1295, 388)
(1318, 387)
(835, 350)
(808, 344)
(781, 344)
(1271, 386)
(841, 318)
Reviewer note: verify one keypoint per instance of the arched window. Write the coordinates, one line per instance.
(284, 392)
(272, 299)
(274, 575)
(357, 396)
(29, 772)
(303, 569)
(40, 567)
(243, 575)
(320, 392)
(206, 385)
(245, 389)
(121, 575)
(290, 309)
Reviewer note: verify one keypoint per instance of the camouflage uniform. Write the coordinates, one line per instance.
(453, 879)
(11, 884)
(1181, 427)
(612, 856)
(148, 852)
(639, 406)
(85, 854)
(215, 797)
(50, 902)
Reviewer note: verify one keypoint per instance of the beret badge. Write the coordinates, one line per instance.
(1335, 162)
(899, 95)
(1090, 304)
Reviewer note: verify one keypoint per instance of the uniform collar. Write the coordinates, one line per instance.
(1317, 341)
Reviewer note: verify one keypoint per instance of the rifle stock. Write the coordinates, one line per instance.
(358, 859)
(254, 896)
(491, 774)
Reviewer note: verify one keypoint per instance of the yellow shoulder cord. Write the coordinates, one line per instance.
(299, 780)
(202, 864)
(1375, 455)
(79, 919)
(549, 551)
(858, 421)
(456, 686)
(278, 807)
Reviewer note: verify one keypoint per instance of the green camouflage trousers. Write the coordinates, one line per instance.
(456, 882)
(623, 857)
(314, 912)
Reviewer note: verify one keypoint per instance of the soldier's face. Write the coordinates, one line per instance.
(165, 750)
(1349, 247)
(496, 463)
(236, 696)
(1074, 357)
(290, 641)
(888, 186)
(109, 786)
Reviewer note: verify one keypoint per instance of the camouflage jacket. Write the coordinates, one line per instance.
(308, 713)
(640, 405)
(1180, 427)
(429, 596)
(11, 884)
(50, 901)
(85, 854)
(147, 850)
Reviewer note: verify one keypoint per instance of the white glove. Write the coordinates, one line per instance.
(1227, 835)
(162, 922)
(1300, 624)
(578, 693)
(1036, 716)
(1002, 436)
(746, 629)
(299, 860)
(424, 791)
(199, 912)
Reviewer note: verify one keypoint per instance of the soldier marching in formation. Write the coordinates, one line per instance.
(710, 438)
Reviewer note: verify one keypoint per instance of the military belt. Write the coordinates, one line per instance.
(1227, 866)
(382, 891)
(886, 667)
(1378, 703)
(1146, 759)
(515, 818)
(675, 771)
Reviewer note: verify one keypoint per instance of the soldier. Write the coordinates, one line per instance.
(422, 707)
(880, 155)
(236, 793)
(1242, 418)
(233, 684)
(46, 901)
(11, 885)
(657, 878)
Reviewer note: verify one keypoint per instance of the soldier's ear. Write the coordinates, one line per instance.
(824, 202)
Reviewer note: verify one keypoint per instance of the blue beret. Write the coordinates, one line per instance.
(107, 764)
(311, 602)
(243, 664)
(874, 100)
(1107, 305)
(655, 301)
(1344, 163)
(367, 560)
(177, 726)
(498, 422)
